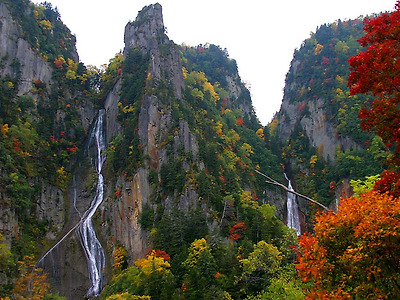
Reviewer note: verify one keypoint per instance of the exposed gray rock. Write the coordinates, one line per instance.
(15, 50)
(51, 207)
(321, 132)
(113, 127)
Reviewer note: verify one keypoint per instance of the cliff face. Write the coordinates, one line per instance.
(146, 34)
(318, 126)
(181, 141)
(16, 50)
(321, 132)
(41, 112)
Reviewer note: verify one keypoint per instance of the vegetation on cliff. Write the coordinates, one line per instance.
(237, 224)
(41, 132)
(355, 252)
(230, 243)
(319, 72)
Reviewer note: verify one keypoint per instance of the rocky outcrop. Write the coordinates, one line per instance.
(18, 56)
(51, 207)
(320, 131)
(146, 33)
(111, 105)
(125, 212)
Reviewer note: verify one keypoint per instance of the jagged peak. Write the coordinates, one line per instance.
(149, 25)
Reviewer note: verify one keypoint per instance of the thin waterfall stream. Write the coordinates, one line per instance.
(293, 219)
(91, 245)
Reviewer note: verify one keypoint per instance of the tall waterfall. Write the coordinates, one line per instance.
(93, 250)
(293, 219)
(91, 245)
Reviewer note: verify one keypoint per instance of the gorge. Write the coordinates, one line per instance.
(141, 179)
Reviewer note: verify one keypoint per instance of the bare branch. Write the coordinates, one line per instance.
(274, 182)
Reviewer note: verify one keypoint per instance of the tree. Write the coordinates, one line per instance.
(149, 278)
(376, 70)
(260, 267)
(354, 253)
(7, 266)
(32, 283)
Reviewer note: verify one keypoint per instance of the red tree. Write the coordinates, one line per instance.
(376, 70)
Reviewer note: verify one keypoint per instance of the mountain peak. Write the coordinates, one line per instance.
(149, 25)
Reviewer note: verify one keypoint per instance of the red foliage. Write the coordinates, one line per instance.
(300, 107)
(325, 61)
(72, 149)
(16, 144)
(240, 121)
(237, 230)
(158, 253)
(390, 181)
(376, 70)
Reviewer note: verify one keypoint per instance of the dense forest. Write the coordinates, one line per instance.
(186, 213)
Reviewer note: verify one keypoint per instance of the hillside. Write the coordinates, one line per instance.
(141, 179)
(323, 145)
(158, 151)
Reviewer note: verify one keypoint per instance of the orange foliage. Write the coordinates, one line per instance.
(32, 283)
(240, 121)
(354, 253)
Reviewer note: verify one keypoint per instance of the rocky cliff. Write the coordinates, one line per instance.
(182, 141)
(318, 126)
(43, 117)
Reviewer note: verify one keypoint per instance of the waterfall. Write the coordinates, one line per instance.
(293, 220)
(93, 250)
(91, 245)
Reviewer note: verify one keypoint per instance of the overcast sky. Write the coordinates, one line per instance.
(260, 35)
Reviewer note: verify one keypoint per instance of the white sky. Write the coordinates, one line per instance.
(261, 35)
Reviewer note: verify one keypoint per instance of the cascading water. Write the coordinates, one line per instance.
(293, 219)
(91, 245)
(93, 250)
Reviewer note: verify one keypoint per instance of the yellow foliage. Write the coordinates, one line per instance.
(339, 92)
(340, 79)
(218, 128)
(45, 24)
(152, 263)
(184, 72)
(71, 75)
(128, 108)
(196, 248)
(127, 296)
(120, 255)
(313, 159)
(4, 129)
(72, 65)
(148, 77)
(247, 149)
(264, 258)
(247, 200)
(318, 49)
(273, 126)
(260, 133)
(199, 79)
